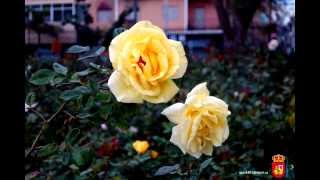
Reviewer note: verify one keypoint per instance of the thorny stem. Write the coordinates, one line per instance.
(35, 111)
(43, 128)
(56, 113)
(70, 115)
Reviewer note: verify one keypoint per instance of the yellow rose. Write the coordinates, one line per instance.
(201, 122)
(140, 146)
(154, 154)
(145, 62)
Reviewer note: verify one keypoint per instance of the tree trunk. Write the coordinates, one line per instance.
(235, 34)
(224, 20)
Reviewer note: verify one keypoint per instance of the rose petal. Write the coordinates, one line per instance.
(195, 126)
(211, 100)
(147, 25)
(114, 47)
(123, 91)
(218, 138)
(168, 91)
(183, 62)
(175, 113)
(194, 149)
(226, 133)
(207, 149)
(180, 135)
(200, 89)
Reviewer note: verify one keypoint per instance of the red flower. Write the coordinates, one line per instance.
(220, 57)
(108, 148)
(115, 143)
(215, 177)
(247, 91)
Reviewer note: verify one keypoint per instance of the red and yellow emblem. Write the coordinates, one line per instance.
(278, 166)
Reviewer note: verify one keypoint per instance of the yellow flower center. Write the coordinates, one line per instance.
(191, 112)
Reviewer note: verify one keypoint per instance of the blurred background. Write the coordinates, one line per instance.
(204, 26)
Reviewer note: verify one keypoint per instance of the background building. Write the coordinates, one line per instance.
(181, 19)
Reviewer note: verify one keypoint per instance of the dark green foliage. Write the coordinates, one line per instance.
(74, 146)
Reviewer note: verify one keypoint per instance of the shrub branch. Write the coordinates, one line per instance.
(43, 127)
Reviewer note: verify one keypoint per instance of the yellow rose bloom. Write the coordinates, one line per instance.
(154, 154)
(140, 146)
(145, 62)
(201, 122)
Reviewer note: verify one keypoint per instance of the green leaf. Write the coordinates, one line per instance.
(84, 115)
(58, 79)
(144, 157)
(76, 49)
(72, 136)
(30, 98)
(133, 163)
(75, 93)
(103, 97)
(80, 178)
(90, 103)
(60, 69)
(42, 77)
(105, 111)
(167, 169)
(32, 118)
(92, 54)
(204, 164)
(93, 86)
(167, 127)
(85, 72)
(95, 66)
(74, 167)
(47, 150)
(74, 78)
(66, 158)
(81, 156)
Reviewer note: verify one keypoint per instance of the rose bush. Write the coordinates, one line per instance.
(76, 129)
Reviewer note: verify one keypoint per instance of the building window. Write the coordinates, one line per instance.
(199, 18)
(105, 16)
(104, 13)
(67, 11)
(170, 13)
(36, 8)
(46, 10)
(55, 12)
